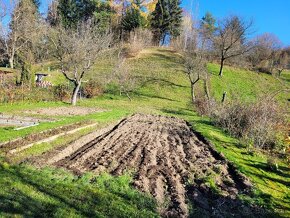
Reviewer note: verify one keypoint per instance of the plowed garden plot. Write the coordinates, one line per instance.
(169, 160)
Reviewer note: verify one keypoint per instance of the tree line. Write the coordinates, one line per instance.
(227, 40)
(76, 32)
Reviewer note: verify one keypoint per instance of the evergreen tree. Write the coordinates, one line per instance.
(36, 3)
(103, 15)
(159, 20)
(133, 18)
(73, 12)
(175, 18)
(69, 14)
(208, 25)
(166, 19)
(25, 76)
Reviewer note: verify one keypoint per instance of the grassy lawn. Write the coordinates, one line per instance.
(164, 90)
(28, 192)
(247, 85)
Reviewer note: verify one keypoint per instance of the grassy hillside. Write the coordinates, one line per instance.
(164, 90)
(247, 85)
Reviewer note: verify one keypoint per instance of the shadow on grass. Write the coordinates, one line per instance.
(181, 112)
(204, 122)
(278, 172)
(162, 82)
(139, 94)
(172, 58)
(33, 193)
(205, 203)
(26, 206)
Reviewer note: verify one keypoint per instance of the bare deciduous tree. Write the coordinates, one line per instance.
(195, 65)
(77, 51)
(22, 31)
(188, 35)
(281, 61)
(123, 77)
(231, 39)
(195, 59)
(263, 55)
(3, 14)
(138, 40)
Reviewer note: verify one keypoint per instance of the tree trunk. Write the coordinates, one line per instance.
(221, 67)
(207, 90)
(128, 96)
(224, 96)
(11, 62)
(75, 93)
(163, 39)
(192, 94)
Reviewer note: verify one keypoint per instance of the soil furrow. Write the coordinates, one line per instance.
(169, 159)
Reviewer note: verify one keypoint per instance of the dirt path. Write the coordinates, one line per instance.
(169, 159)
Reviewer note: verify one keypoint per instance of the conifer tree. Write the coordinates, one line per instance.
(73, 12)
(166, 19)
(208, 23)
(175, 18)
(69, 14)
(133, 18)
(103, 15)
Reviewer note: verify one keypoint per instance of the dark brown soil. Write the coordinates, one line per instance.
(170, 161)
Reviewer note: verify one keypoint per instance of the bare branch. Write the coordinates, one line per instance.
(77, 50)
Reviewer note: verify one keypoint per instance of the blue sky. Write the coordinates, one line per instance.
(269, 15)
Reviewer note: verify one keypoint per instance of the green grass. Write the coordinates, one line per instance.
(41, 148)
(165, 90)
(28, 192)
(6, 133)
(4, 69)
(247, 85)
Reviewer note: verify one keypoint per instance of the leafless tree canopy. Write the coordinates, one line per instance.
(122, 76)
(138, 40)
(232, 38)
(24, 30)
(195, 67)
(261, 57)
(188, 36)
(191, 44)
(77, 51)
(281, 61)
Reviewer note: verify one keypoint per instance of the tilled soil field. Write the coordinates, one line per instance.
(169, 160)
